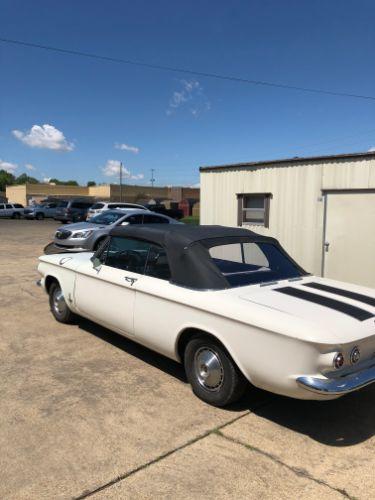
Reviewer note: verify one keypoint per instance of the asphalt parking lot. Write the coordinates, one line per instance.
(85, 412)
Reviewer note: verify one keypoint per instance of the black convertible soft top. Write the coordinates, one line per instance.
(187, 249)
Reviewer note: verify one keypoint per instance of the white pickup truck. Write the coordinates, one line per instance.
(13, 210)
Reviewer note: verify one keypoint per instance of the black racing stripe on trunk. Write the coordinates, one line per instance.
(353, 311)
(345, 293)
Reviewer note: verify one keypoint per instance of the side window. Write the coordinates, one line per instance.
(135, 219)
(157, 263)
(81, 204)
(239, 258)
(2, 206)
(127, 254)
(8, 206)
(116, 205)
(18, 205)
(154, 219)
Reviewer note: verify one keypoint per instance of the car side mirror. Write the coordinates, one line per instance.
(96, 262)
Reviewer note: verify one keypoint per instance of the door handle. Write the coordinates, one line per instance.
(130, 280)
(326, 246)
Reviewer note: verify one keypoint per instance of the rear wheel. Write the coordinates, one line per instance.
(212, 373)
(59, 307)
(39, 216)
(16, 215)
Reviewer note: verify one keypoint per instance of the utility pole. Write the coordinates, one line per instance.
(120, 181)
(152, 180)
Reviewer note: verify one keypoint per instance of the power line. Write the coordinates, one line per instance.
(337, 139)
(186, 71)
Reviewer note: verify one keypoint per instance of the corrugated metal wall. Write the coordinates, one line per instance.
(296, 207)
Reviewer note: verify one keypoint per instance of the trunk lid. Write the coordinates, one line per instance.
(340, 316)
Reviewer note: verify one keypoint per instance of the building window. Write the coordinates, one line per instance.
(254, 209)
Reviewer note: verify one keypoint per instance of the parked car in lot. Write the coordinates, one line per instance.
(13, 210)
(160, 208)
(101, 206)
(73, 210)
(89, 235)
(229, 304)
(42, 211)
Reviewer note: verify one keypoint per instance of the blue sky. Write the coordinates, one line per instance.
(175, 122)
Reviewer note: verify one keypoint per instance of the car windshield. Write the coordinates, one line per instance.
(106, 218)
(252, 263)
(62, 204)
(96, 206)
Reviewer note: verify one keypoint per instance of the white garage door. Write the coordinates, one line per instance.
(349, 253)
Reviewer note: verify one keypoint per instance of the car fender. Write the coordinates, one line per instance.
(192, 328)
(64, 276)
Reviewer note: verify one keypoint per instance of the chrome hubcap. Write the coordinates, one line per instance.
(209, 369)
(59, 304)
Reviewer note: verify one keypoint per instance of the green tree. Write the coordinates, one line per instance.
(24, 178)
(6, 179)
(66, 183)
(91, 183)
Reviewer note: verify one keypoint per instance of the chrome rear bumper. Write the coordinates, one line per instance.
(338, 386)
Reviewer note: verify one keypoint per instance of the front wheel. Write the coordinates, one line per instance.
(16, 215)
(212, 373)
(59, 307)
(39, 216)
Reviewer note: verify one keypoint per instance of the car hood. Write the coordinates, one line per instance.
(328, 312)
(81, 226)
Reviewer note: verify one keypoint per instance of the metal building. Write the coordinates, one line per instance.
(322, 209)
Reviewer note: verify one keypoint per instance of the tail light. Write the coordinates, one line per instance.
(338, 360)
(355, 355)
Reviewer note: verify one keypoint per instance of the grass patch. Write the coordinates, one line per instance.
(192, 219)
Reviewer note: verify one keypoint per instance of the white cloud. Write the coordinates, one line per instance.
(372, 149)
(8, 166)
(197, 185)
(44, 137)
(137, 176)
(126, 147)
(47, 179)
(28, 166)
(112, 169)
(190, 96)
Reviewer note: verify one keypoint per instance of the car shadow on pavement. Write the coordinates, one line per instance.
(143, 353)
(346, 421)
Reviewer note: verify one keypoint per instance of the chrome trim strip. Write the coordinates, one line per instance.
(338, 386)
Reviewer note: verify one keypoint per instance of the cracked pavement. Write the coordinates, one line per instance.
(87, 413)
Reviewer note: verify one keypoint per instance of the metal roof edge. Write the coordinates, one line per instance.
(295, 159)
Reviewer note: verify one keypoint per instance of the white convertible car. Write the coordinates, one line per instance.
(229, 304)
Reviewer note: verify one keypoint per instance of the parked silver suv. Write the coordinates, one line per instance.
(40, 212)
(13, 210)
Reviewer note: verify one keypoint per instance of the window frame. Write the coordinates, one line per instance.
(159, 219)
(241, 210)
(102, 254)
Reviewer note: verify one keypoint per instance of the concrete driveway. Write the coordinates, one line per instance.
(84, 412)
